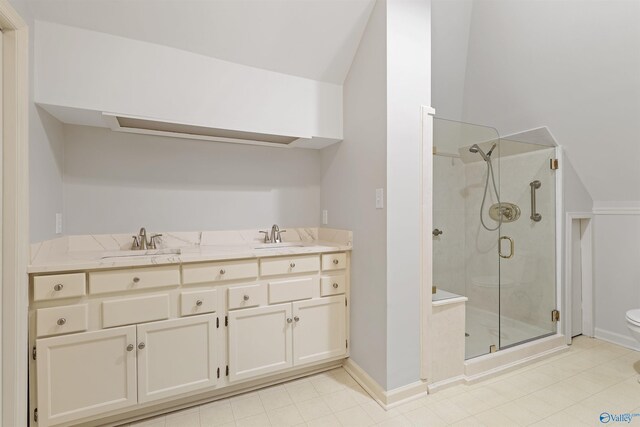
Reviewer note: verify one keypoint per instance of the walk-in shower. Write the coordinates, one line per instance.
(494, 237)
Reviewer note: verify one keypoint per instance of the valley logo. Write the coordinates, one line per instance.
(606, 417)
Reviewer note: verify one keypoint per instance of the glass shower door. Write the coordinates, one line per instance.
(465, 259)
(528, 274)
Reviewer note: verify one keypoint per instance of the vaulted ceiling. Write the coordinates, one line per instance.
(315, 39)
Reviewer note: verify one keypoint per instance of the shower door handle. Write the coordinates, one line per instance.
(534, 215)
(511, 247)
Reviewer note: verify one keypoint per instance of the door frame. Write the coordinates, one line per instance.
(586, 243)
(15, 217)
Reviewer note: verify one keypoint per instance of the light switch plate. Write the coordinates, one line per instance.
(379, 198)
(58, 223)
(325, 217)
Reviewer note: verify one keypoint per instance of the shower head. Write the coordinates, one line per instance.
(476, 149)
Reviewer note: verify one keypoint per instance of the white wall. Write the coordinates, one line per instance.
(571, 66)
(408, 89)
(46, 154)
(616, 270)
(118, 182)
(93, 71)
(387, 84)
(351, 171)
(450, 25)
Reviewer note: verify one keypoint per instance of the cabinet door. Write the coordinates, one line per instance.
(319, 329)
(85, 374)
(259, 341)
(176, 356)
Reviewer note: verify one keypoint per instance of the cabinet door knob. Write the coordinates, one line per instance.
(222, 271)
(335, 286)
(246, 297)
(136, 279)
(199, 302)
(289, 320)
(141, 346)
(61, 321)
(335, 261)
(296, 318)
(130, 347)
(58, 287)
(293, 264)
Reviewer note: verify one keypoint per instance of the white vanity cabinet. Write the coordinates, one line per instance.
(85, 374)
(259, 341)
(176, 356)
(110, 342)
(319, 329)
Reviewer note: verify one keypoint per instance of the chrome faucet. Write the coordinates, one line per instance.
(140, 241)
(275, 236)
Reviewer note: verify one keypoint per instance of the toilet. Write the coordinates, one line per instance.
(633, 322)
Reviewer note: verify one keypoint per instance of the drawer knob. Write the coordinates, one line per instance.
(61, 321)
(289, 320)
(335, 261)
(130, 347)
(297, 319)
(136, 279)
(246, 297)
(141, 346)
(292, 265)
(335, 286)
(199, 302)
(58, 287)
(222, 271)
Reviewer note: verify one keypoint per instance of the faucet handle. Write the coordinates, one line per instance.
(136, 243)
(280, 234)
(154, 238)
(266, 236)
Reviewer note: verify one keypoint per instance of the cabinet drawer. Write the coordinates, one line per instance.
(289, 265)
(198, 302)
(59, 286)
(246, 296)
(127, 311)
(291, 290)
(332, 285)
(61, 320)
(334, 261)
(219, 271)
(102, 282)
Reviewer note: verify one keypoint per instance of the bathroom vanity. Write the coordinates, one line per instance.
(120, 338)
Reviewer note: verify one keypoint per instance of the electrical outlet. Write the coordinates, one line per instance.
(58, 223)
(325, 217)
(379, 198)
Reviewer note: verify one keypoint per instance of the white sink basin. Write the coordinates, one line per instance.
(140, 253)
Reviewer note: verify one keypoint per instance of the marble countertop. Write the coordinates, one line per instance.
(95, 252)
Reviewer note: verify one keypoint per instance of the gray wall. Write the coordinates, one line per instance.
(46, 154)
(117, 182)
(351, 171)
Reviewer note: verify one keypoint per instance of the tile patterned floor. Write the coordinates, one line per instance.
(571, 389)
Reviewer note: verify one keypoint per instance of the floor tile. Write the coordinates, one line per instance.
(340, 400)
(215, 414)
(247, 407)
(354, 417)
(285, 416)
(425, 417)
(325, 421)
(260, 420)
(313, 408)
(377, 413)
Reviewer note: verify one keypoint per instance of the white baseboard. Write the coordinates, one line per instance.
(616, 338)
(449, 382)
(386, 399)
